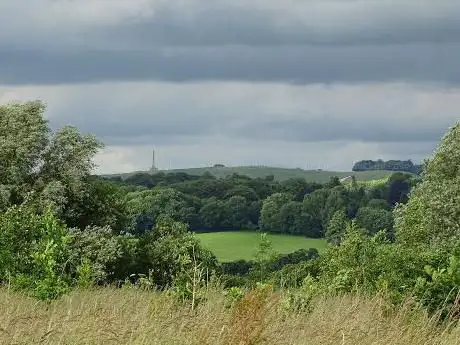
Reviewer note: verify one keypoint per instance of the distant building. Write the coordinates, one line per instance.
(346, 179)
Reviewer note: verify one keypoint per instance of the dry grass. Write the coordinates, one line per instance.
(135, 317)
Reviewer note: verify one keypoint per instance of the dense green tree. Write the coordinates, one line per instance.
(373, 220)
(99, 247)
(432, 214)
(398, 188)
(170, 253)
(378, 204)
(290, 214)
(243, 191)
(236, 213)
(34, 252)
(336, 200)
(313, 208)
(212, 214)
(45, 167)
(337, 227)
(298, 187)
(147, 206)
(270, 218)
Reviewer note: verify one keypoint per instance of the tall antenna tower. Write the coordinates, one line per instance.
(153, 168)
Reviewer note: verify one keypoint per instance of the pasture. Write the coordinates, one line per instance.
(235, 245)
(279, 174)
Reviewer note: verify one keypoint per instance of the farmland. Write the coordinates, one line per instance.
(279, 174)
(235, 245)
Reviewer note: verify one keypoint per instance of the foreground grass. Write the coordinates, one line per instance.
(141, 318)
(235, 245)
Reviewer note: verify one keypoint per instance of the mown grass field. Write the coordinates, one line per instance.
(235, 245)
(279, 174)
(135, 317)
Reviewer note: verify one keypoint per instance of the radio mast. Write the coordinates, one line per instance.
(153, 168)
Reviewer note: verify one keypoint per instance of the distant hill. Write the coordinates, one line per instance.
(279, 174)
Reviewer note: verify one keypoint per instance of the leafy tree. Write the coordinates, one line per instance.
(373, 220)
(298, 187)
(97, 246)
(398, 188)
(212, 213)
(270, 219)
(242, 191)
(43, 167)
(34, 252)
(336, 200)
(264, 258)
(432, 214)
(236, 213)
(378, 204)
(289, 215)
(337, 227)
(145, 207)
(170, 252)
(314, 208)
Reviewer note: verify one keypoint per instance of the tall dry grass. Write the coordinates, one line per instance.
(134, 317)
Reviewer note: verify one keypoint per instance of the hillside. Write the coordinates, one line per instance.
(278, 173)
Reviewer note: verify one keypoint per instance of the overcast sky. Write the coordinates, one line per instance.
(295, 83)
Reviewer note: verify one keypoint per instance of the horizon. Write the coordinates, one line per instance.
(159, 169)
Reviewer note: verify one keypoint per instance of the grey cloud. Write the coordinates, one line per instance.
(131, 23)
(292, 41)
(143, 113)
(300, 64)
(331, 128)
(223, 23)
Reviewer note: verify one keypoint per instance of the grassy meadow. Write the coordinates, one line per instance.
(130, 316)
(235, 245)
(279, 174)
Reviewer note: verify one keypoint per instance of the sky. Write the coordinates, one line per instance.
(312, 84)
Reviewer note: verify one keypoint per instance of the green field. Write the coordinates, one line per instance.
(235, 245)
(279, 174)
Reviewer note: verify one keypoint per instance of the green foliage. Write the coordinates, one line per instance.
(299, 300)
(336, 227)
(85, 275)
(34, 252)
(432, 214)
(440, 289)
(95, 246)
(212, 213)
(374, 220)
(265, 255)
(270, 219)
(171, 252)
(147, 206)
(233, 295)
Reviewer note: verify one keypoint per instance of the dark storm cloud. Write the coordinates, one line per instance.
(195, 40)
(220, 23)
(303, 65)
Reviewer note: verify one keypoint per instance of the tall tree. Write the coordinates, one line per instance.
(42, 166)
(433, 212)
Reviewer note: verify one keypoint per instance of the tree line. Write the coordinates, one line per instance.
(237, 202)
(392, 165)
